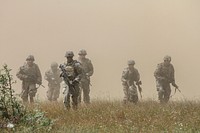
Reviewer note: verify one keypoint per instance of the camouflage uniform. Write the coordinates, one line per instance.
(54, 80)
(85, 81)
(73, 84)
(30, 76)
(129, 76)
(164, 75)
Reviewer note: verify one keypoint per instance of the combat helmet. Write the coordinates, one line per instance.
(167, 57)
(131, 62)
(69, 54)
(54, 65)
(82, 52)
(30, 57)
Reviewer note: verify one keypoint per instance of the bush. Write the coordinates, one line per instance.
(13, 112)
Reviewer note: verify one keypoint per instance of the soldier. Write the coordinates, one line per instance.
(54, 80)
(30, 75)
(87, 73)
(129, 76)
(71, 73)
(164, 75)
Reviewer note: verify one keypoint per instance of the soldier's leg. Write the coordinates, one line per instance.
(67, 101)
(50, 93)
(32, 92)
(80, 92)
(126, 93)
(167, 93)
(24, 92)
(56, 93)
(24, 95)
(86, 92)
(133, 94)
(75, 96)
(160, 91)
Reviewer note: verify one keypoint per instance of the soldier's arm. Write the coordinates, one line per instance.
(137, 77)
(20, 74)
(124, 77)
(173, 78)
(172, 74)
(79, 71)
(39, 75)
(91, 68)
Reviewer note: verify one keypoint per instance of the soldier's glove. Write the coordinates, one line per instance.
(39, 82)
(62, 74)
(174, 84)
(138, 82)
(75, 82)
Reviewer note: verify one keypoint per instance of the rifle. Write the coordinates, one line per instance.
(66, 78)
(176, 88)
(139, 88)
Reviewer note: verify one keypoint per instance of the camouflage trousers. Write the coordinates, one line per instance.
(53, 92)
(85, 88)
(130, 94)
(164, 91)
(72, 93)
(28, 89)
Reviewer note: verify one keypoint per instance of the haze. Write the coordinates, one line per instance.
(112, 32)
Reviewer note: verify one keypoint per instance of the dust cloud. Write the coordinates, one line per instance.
(112, 32)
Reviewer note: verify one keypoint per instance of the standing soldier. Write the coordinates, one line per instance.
(30, 75)
(54, 80)
(164, 75)
(129, 76)
(71, 73)
(87, 72)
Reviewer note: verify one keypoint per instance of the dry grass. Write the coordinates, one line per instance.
(110, 117)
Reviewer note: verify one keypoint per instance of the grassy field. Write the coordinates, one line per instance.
(114, 117)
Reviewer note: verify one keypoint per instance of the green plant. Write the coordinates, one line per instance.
(12, 111)
(10, 108)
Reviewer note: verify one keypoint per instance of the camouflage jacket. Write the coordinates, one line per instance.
(30, 74)
(87, 67)
(53, 77)
(129, 76)
(77, 69)
(165, 73)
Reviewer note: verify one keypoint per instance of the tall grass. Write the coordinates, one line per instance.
(113, 116)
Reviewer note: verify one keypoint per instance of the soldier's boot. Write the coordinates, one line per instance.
(86, 99)
(31, 100)
(67, 105)
(165, 99)
(75, 107)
